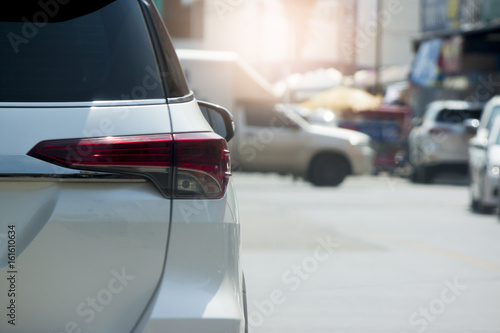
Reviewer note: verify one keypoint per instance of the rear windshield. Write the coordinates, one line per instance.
(457, 116)
(78, 51)
(261, 115)
(494, 114)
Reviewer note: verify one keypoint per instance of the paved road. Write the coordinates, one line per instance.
(374, 255)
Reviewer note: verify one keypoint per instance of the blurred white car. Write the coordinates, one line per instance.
(271, 138)
(440, 139)
(484, 163)
(117, 209)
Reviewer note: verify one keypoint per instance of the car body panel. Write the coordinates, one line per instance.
(484, 157)
(201, 273)
(29, 125)
(353, 145)
(186, 117)
(71, 256)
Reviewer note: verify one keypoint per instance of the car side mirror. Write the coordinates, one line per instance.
(219, 118)
(415, 122)
(471, 126)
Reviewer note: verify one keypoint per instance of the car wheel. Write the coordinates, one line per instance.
(414, 176)
(478, 206)
(474, 205)
(328, 170)
(415, 158)
(422, 174)
(427, 175)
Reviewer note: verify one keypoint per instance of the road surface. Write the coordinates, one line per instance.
(377, 254)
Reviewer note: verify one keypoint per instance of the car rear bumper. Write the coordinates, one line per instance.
(92, 252)
(205, 325)
(200, 290)
(436, 155)
(491, 190)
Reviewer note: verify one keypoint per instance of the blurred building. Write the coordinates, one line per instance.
(324, 33)
(399, 21)
(458, 52)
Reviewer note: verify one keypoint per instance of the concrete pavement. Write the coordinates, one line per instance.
(377, 254)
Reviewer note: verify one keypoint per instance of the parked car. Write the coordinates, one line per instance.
(484, 160)
(272, 138)
(439, 140)
(117, 208)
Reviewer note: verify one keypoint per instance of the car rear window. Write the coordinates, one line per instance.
(457, 116)
(494, 114)
(76, 51)
(265, 116)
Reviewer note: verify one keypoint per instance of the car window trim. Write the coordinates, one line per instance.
(135, 102)
(147, 7)
(71, 178)
(183, 99)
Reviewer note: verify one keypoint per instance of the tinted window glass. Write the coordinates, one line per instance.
(494, 113)
(457, 116)
(78, 51)
(265, 116)
(215, 120)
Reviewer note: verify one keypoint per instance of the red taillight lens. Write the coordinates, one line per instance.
(126, 151)
(202, 164)
(197, 164)
(439, 131)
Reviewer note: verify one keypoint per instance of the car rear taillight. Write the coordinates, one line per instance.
(202, 165)
(189, 165)
(439, 131)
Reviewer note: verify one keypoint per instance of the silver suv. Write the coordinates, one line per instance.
(440, 139)
(117, 209)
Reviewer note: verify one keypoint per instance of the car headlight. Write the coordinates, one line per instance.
(494, 171)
